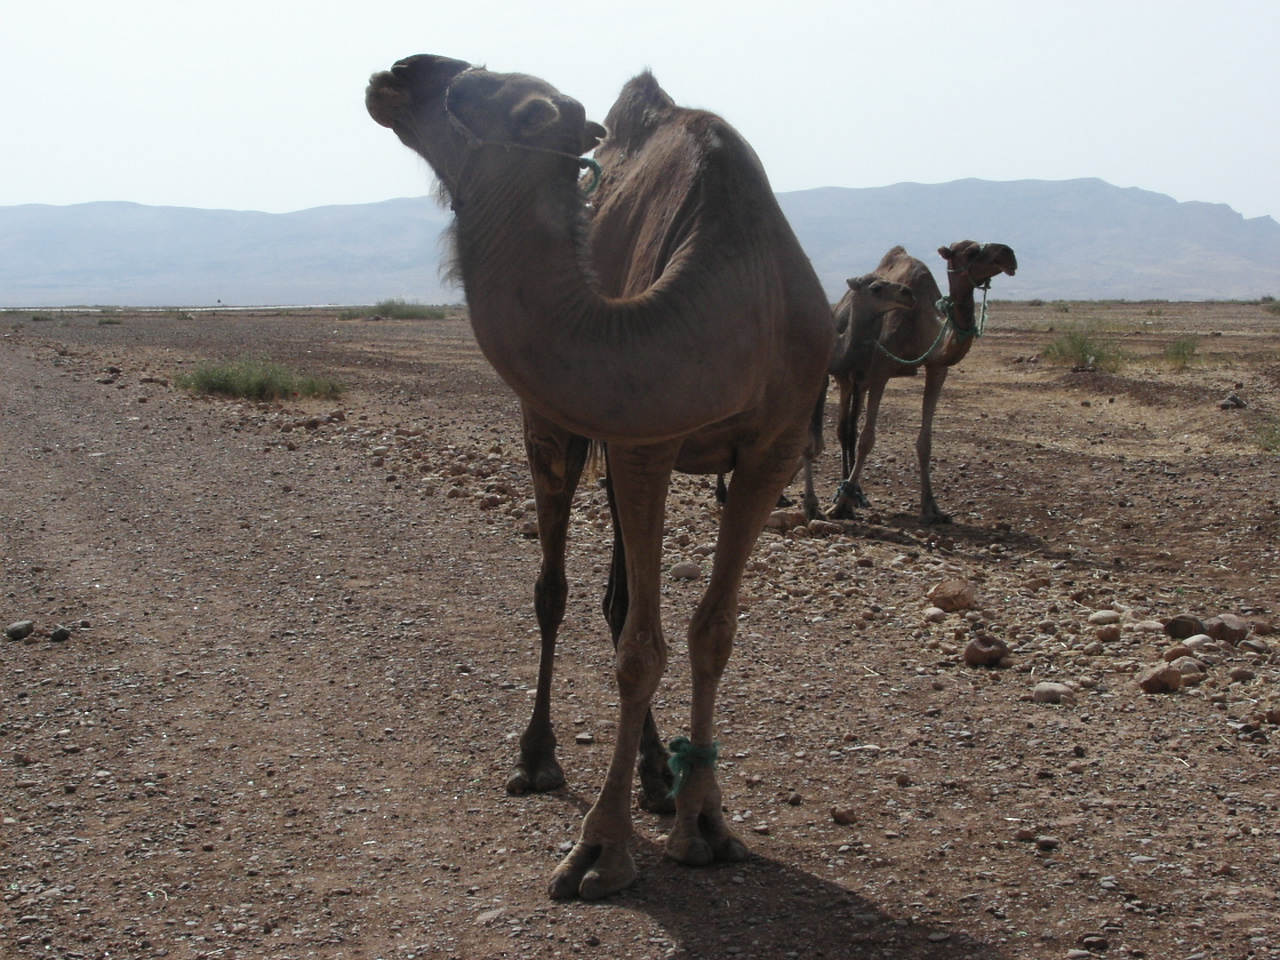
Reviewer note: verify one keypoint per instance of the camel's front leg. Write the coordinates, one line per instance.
(655, 776)
(934, 378)
(600, 863)
(850, 494)
(701, 834)
(556, 459)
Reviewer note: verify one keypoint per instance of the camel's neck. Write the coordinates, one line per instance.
(633, 370)
(960, 288)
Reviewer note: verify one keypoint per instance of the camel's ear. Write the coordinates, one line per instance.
(946, 253)
(592, 134)
(858, 283)
(535, 115)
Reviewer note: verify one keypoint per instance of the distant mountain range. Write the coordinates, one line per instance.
(1075, 239)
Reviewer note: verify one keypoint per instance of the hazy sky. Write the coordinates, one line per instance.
(259, 105)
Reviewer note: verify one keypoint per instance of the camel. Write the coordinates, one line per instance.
(687, 332)
(936, 334)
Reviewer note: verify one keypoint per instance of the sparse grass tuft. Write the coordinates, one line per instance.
(395, 310)
(1268, 433)
(109, 321)
(1272, 306)
(1181, 353)
(1083, 348)
(41, 317)
(255, 379)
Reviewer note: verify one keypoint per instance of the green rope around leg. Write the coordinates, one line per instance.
(685, 758)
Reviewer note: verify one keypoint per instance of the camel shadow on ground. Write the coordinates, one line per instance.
(764, 909)
(954, 539)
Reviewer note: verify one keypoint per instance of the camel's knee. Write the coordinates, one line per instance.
(641, 661)
(711, 636)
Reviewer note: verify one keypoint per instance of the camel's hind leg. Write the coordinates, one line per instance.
(850, 494)
(934, 378)
(600, 862)
(556, 459)
(701, 834)
(655, 774)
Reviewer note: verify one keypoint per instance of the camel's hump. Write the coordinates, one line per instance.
(640, 108)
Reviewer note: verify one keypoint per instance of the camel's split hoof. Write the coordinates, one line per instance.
(593, 871)
(538, 776)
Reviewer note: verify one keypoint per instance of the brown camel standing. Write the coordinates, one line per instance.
(936, 334)
(694, 336)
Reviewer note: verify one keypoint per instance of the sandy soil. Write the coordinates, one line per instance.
(301, 648)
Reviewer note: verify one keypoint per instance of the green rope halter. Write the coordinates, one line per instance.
(686, 757)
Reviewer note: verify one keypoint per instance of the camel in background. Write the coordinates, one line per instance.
(694, 335)
(936, 334)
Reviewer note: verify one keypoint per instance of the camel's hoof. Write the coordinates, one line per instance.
(709, 842)
(535, 777)
(843, 510)
(661, 803)
(593, 872)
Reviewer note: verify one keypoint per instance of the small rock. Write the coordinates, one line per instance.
(952, 595)
(1100, 618)
(1192, 670)
(845, 815)
(1162, 678)
(934, 615)
(1227, 628)
(985, 650)
(1231, 402)
(794, 799)
(1149, 626)
(1048, 692)
(686, 570)
(60, 634)
(1109, 633)
(584, 739)
(489, 916)
(1241, 674)
(19, 630)
(1183, 625)
(786, 520)
(824, 528)
(1177, 652)
(1048, 843)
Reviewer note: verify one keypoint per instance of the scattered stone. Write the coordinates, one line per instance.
(489, 916)
(1162, 678)
(1024, 834)
(1241, 674)
(19, 630)
(1177, 652)
(1255, 645)
(934, 615)
(786, 520)
(1192, 670)
(794, 799)
(824, 528)
(845, 815)
(1149, 626)
(1048, 692)
(1227, 628)
(953, 595)
(1109, 633)
(585, 739)
(60, 634)
(1101, 618)
(1231, 402)
(985, 650)
(686, 570)
(1048, 843)
(1184, 625)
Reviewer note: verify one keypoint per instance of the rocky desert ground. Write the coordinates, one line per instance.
(279, 655)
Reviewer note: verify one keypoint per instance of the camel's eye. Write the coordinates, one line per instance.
(535, 115)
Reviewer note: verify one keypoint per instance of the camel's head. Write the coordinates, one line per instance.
(448, 110)
(979, 261)
(881, 295)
